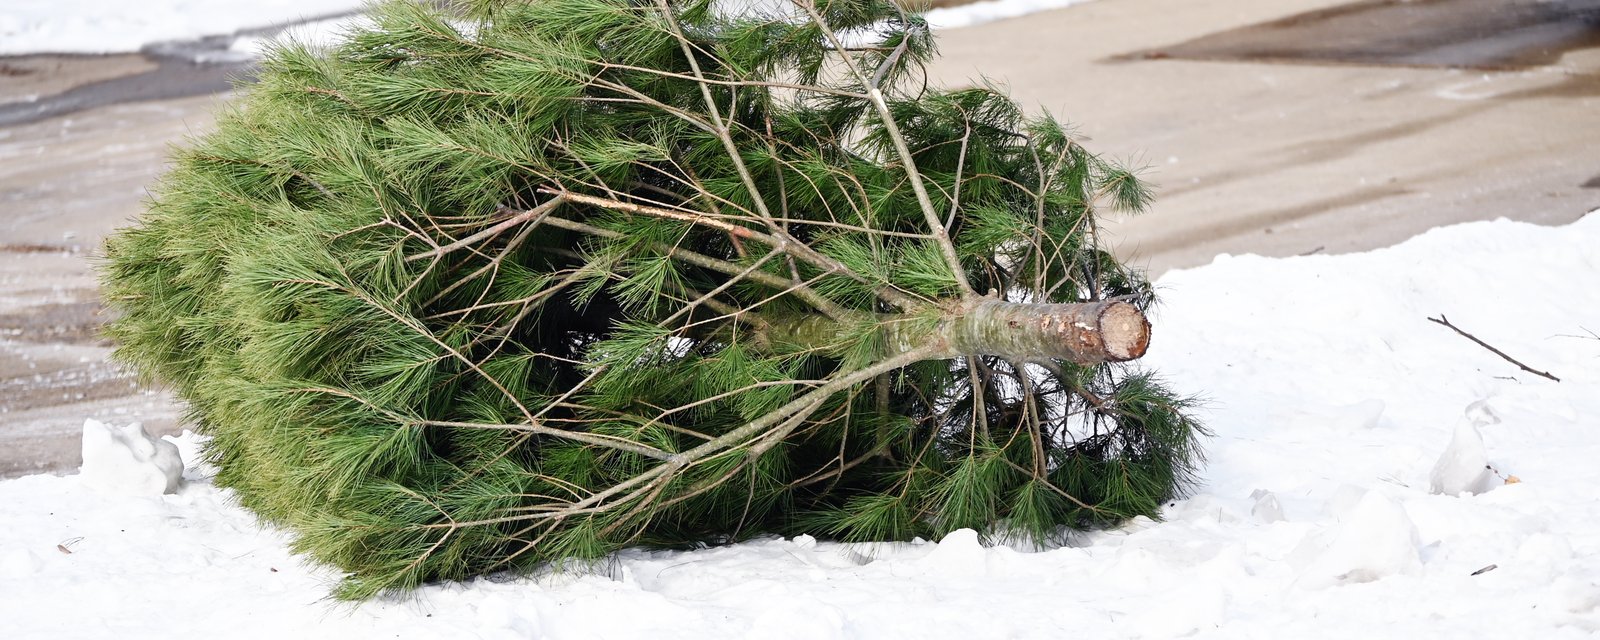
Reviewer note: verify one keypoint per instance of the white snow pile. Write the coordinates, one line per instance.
(976, 13)
(128, 461)
(112, 26)
(118, 26)
(330, 32)
(323, 34)
(1320, 514)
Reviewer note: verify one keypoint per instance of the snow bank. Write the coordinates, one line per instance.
(1332, 398)
(323, 34)
(103, 26)
(990, 10)
(109, 26)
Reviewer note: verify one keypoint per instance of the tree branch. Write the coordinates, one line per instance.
(795, 248)
(495, 230)
(1441, 320)
(817, 300)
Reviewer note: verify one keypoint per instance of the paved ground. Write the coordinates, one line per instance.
(1282, 159)
(1264, 157)
(65, 183)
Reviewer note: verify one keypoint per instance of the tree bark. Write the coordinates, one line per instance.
(1084, 333)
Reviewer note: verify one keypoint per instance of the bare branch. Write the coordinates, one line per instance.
(531, 214)
(811, 296)
(796, 248)
(1441, 320)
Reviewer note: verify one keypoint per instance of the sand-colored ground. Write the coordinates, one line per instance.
(65, 183)
(32, 78)
(1279, 159)
(1284, 159)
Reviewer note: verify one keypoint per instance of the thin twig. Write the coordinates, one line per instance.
(515, 220)
(1592, 335)
(941, 236)
(621, 444)
(811, 296)
(1446, 322)
(798, 249)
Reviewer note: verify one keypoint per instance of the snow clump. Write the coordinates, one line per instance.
(128, 460)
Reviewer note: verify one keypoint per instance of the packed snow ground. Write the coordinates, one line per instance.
(1332, 399)
(115, 26)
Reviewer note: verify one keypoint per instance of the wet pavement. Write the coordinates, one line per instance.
(1466, 34)
(169, 76)
(166, 70)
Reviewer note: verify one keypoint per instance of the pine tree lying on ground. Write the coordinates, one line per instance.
(562, 276)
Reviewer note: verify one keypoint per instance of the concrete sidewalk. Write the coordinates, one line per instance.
(1279, 159)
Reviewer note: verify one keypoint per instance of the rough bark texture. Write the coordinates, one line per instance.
(1084, 333)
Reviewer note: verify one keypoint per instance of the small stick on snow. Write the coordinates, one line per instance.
(1446, 322)
(1592, 335)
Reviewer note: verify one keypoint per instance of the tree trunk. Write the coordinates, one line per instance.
(1085, 333)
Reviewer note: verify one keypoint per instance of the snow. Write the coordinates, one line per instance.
(1332, 399)
(976, 13)
(1374, 539)
(112, 26)
(106, 26)
(128, 460)
(326, 33)
(322, 34)
(1464, 465)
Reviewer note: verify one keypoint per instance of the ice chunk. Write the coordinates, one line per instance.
(1464, 465)
(1376, 539)
(1266, 508)
(960, 553)
(128, 460)
(1482, 414)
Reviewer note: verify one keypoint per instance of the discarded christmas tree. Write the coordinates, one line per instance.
(464, 295)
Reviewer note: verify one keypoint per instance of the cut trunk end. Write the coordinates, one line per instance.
(1124, 331)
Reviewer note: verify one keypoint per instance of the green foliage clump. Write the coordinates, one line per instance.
(544, 279)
